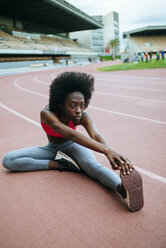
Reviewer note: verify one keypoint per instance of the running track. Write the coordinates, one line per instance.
(62, 210)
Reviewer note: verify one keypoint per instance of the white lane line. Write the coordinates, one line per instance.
(110, 76)
(116, 80)
(109, 85)
(128, 87)
(128, 115)
(145, 172)
(39, 81)
(20, 115)
(138, 83)
(96, 108)
(53, 75)
(152, 175)
(131, 97)
(97, 92)
(29, 91)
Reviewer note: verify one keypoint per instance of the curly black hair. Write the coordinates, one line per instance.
(69, 82)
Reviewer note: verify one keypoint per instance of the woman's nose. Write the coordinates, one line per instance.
(78, 109)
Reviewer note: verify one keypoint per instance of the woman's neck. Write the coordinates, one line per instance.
(63, 119)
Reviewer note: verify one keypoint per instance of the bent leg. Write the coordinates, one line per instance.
(88, 163)
(28, 159)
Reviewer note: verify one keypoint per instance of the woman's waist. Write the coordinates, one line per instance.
(56, 140)
(59, 145)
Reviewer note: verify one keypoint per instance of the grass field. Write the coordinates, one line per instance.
(134, 66)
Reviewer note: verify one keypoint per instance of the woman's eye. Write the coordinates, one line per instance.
(72, 105)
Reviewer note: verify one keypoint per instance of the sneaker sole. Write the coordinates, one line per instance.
(134, 189)
(61, 155)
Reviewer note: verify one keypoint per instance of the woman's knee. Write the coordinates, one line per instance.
(90, 166)
(7, 161)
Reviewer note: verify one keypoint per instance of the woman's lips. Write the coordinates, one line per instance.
(77, 117)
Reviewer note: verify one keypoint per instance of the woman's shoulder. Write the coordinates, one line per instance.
(85, 115)
(47, 115)
(85, 119)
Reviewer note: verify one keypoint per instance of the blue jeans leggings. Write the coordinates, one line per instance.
(37, 158)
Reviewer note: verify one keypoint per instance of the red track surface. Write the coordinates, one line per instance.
(52, 209)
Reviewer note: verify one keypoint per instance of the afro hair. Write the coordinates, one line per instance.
(67, 83)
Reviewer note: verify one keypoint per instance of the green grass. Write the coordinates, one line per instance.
(133, 66)
(106, 58)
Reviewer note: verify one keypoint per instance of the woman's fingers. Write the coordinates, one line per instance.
(124, 165)
(113, 164)
(123, 168)
(121, 163)
(128, 169)
(130, 166)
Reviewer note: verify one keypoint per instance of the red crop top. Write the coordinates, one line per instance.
(51, 132)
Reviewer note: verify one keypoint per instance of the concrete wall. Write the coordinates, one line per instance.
(17, 64)
(108, 28)
(83, 37)
(111, 27)
(110, 31)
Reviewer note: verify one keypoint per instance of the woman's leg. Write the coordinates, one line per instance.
(88, 163)
(29, 159)
(38, 158)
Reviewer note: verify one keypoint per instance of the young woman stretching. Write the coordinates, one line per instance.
(70, 150)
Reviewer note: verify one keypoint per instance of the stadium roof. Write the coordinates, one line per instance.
(57, 14)
(149, 30)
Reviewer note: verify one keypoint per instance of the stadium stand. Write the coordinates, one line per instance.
(151, 38)
(23, 41)
(159, 42)
(25, 34)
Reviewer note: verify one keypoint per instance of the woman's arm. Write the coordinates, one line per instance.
(51, 119)
(117, 161)
(96, 142)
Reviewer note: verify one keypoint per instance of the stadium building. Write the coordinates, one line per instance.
(39, 31)
(146, 39)
(98, 40)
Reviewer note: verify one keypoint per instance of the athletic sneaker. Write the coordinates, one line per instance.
(132, 190)
(66, 163)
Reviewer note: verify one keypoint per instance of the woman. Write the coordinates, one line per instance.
(70, 150)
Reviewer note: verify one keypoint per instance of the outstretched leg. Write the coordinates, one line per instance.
(129, 186)
(28, 159)
(88, 163)
(39, 158)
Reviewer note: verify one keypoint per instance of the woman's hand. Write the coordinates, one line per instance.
(118, 162)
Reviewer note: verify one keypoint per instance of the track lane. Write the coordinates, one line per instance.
(33, 85)
(144, 108)
(91, 210)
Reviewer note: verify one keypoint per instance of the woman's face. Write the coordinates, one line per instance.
(73, 107)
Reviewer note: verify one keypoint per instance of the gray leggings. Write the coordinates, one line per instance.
(37, 158)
